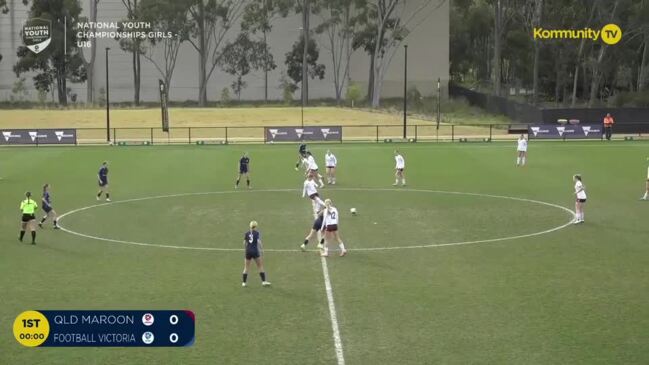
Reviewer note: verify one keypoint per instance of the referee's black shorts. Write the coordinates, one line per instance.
(28, 217)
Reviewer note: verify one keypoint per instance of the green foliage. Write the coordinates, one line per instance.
(42, 97)
(414, 97)
(101, 98)
(225, 96)
(18, 90)
(294, 58)
(259, 14)
(354, 93)
(53, 65)
(288, 89)
(243, 56)
(631, 99)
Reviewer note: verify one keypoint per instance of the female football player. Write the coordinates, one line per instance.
(522, 151)
(102, 177)
(330, 229)
(311, 190)
(331, 162)
(254, 250)
(315, 230)
(580, 194)
(244, 169)
(46, 203)
(400, 165)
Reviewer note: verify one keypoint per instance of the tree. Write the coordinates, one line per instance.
(259, 16)
(384, 25)
(169, 17)
(55, 64)
(211, 21)
(135, 46)
(89, 64)
(532, 12)
(294, 64)
(338, 25)
(242, 56)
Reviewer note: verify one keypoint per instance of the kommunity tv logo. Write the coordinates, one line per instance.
(610, 34)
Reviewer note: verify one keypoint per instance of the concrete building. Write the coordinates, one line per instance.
(428, 57)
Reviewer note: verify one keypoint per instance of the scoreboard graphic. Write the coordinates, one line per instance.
(116, 328)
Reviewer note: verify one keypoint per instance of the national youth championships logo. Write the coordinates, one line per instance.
(37, 34)
(609, 34)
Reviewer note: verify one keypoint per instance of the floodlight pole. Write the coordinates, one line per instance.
(439, 102)
(107, 100)
(405, 89)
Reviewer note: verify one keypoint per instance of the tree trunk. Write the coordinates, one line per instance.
(136, 73)
(370, 79)
(579, 56)
(305, 65)
(535, 70)
(265, 66)
(90, 82)
(202, 57)
(62, 86)
(90, 66)
(644, 66)
(497, 46)
(594, 86)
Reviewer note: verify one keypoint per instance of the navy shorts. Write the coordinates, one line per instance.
(252, 255)
(243, 170)
(317, 224)
(47, 208)
(581, 200)
(103, 183)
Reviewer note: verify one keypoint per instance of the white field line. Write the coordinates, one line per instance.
(338, 342)
(490, 240)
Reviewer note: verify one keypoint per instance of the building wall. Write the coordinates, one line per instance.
(428, 59)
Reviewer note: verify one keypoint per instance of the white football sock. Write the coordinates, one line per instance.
(518, 161)
(342, 246)
(523, 161)
(403, 181)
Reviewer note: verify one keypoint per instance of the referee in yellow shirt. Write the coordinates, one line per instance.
(28, 209)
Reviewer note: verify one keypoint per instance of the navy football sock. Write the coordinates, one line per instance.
(263, 276)
(245, 277)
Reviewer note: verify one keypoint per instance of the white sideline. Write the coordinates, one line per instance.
(338, 343)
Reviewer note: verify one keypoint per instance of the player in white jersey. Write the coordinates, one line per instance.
(311, 190)
(330, 229)
(580, 194)
(312, 169)
(522, 151)
(399, 167)
(331, 162)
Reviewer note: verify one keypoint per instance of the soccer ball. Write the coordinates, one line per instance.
(353, 211)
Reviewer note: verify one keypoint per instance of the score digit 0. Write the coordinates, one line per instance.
(173, 319)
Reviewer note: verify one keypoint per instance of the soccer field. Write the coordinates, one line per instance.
(475, 261)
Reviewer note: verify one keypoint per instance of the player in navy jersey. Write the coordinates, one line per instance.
(315, 231)
(102, 176)
(47, 207)
(252, 244)
(244, 169)
(302, 156)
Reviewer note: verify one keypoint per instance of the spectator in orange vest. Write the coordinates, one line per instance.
(608, 125)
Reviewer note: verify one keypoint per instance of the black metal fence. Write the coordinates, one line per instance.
(627, 120)
(257, 134)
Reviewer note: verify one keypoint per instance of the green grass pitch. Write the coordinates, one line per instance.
(575, 295)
